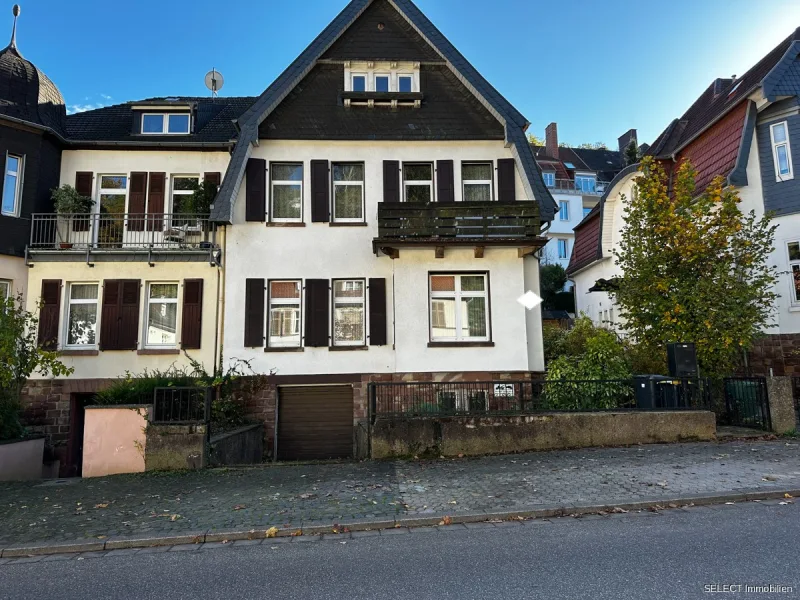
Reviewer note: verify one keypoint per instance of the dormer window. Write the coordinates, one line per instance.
(381, 83)
(166, 123)
(405, 84)
(359, 83)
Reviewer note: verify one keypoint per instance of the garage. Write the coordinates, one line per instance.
(315, 422)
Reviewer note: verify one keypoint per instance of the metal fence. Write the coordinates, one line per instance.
(121, 231)
(486, 398)
(746, 403)
(182, 405)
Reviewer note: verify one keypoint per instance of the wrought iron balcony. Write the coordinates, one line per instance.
(110, 233)
(478, 224)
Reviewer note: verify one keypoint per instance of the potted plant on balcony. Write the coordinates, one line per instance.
(71, 206)
(21, 454)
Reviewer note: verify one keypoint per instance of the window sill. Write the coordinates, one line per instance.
(287, 349)
(334, 224)
(460, 344)
(76, 352)
(157, 352)
(282, 224)
(347, 348)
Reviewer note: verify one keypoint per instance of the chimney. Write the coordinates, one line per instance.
(626, 138)
(551, 140)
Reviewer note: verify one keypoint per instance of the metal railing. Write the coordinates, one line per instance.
(569, 186)
(123, 231)
(182, 405)
(486, 398)
(746, 402)
(458, 220)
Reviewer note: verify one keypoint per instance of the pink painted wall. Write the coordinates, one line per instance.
(114, 440)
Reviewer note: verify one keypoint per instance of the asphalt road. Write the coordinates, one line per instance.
(671, 555)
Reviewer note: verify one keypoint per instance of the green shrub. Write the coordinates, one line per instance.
(139, 389)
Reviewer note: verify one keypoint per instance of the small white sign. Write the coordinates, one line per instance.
(504, 390)
(530, 300)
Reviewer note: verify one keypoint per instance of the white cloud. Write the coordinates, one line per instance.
(79, 108)
(105, 96)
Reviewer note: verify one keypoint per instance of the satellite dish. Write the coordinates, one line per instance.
(214, 81)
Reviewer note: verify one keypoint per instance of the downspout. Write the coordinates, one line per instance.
(220, 329)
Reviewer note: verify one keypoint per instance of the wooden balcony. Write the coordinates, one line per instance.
(476, 224)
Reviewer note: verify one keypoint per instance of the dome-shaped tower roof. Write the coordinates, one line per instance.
(25, 92)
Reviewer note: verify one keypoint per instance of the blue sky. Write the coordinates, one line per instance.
(595, 67)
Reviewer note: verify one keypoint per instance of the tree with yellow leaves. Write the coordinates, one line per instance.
(695, 267)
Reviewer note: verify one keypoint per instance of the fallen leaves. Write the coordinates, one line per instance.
(446, 521)
(272, 532)
(102, 505)
(297, 533)
(239, 507)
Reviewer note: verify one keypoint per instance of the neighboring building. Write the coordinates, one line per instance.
(577, 178)
(746, 129)
(32, 121)
(379, 213)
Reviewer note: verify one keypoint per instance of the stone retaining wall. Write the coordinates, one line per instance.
(454, 436)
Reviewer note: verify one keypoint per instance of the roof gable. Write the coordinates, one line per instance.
(784, 79)
(381, 33)
(514, 123)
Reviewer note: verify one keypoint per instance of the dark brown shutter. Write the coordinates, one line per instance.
(445, 184)
(48, 314)
(83, 185)
(254, 313)
(391, 181)
(317, 313)
(192, 320)
(215, 178)
(136, 126)
(155, 201)
(138, 202)
(256, 190)
(506, 180)
(377, 312)
(119, 320)
(320, 192)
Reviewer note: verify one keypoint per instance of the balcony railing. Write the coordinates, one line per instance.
(585, 187)
(458, 221)
(121, 232)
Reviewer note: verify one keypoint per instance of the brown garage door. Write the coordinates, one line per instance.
(315, 422)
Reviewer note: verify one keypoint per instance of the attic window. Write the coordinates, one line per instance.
(165, 124)
(734, 88)
(569, 165)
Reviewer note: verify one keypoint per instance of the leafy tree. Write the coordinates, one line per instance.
(594, 146)
(202, 198)
(695, 267)
(535, 140)
(631, 153)
(20, 357)
(552, 278)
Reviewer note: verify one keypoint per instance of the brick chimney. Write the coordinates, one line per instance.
(551, 140)
(626, 138)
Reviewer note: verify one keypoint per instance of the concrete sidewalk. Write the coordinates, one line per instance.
(222, 504)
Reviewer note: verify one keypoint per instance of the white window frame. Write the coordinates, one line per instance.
(549, 178)
(408, 76)
(418, 182)
(793, 296)
(165, 117)
(285, 302)
(466, 182)
(146, 319)
(349, 300)
(352, 80)
(174, 192)
(565, 242)
(457, 295)
(286, 182)
(587, 177)
(7, 284)
(68, 301)
(336, 182)
(775, 145)
(388, 77)
(18, 182)
(563, 210)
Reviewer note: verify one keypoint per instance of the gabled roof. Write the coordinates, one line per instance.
(214, 125)
(515, 124)
(722, 96)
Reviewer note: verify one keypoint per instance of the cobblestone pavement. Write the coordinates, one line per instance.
(289, 496)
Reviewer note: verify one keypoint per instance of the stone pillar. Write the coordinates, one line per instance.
(781, 404)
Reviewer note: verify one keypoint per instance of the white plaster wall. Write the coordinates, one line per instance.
(110, 364)
(321, 251)
(13, 269)
(124, 162)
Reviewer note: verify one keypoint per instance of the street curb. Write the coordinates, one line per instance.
(210, 536)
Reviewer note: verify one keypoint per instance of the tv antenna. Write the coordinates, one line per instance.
(214, 82)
